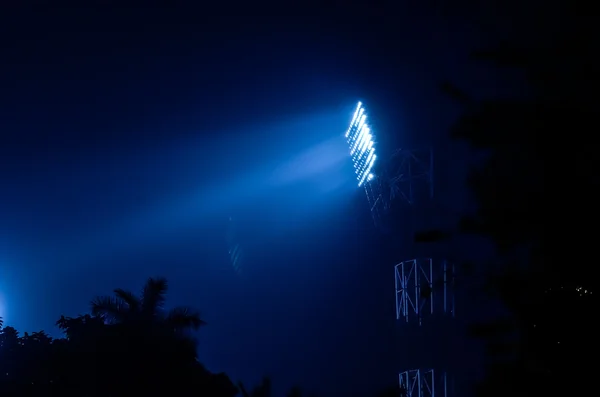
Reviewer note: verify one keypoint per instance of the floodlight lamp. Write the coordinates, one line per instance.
(362, 148)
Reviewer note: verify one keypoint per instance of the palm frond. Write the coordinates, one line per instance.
(153, 295)
(128, 298)
(109, 308)
(242, 389)
(183, 318)
(264, 389)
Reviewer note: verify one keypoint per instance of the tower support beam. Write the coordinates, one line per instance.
(421, 285)
(423, 383)
(405, 178)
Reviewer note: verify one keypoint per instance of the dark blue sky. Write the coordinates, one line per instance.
(128, 137)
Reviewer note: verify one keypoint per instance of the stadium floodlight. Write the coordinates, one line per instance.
(361, 144)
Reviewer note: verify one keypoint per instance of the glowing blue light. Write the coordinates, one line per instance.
(361, 144)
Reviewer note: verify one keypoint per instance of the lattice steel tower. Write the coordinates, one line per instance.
(424, 297)
(424, 286)
(406, 177)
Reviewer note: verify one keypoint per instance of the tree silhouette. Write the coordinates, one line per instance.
(147, 309)
(541, 271)
(157, 350)
(9, 339)
(145, 352)
(264, 389)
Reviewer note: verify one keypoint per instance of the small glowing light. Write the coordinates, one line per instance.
(360, 141)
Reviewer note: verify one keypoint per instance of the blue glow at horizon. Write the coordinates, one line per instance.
(362, 149)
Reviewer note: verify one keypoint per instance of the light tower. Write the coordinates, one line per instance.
(424, 286)
(405, 177)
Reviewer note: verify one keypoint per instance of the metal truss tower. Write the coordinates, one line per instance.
(423, 383)
(406, 178)
(418, 293)
(424, 287)
(424, 292)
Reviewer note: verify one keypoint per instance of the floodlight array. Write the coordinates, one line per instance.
(360, 141)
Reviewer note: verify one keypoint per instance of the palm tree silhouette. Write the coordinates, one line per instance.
(146, 310)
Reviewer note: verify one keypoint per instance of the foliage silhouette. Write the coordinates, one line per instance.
(142, 349)
(546, 286)
(147, 309)
(264, 389)
(128, 345)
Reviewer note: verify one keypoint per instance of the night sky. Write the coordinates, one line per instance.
(128, 137)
